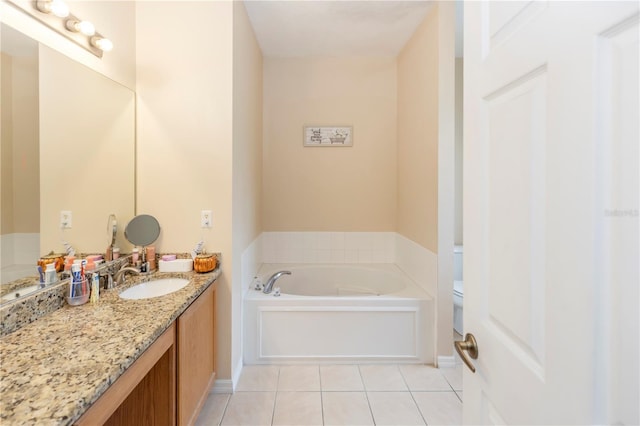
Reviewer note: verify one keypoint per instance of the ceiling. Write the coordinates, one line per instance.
(334, 28)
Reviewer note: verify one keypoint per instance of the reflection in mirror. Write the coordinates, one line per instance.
(81, 158)
(142, 230)
(20, 205)
(86, 152)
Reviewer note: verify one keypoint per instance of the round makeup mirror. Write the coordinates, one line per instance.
(142, 230)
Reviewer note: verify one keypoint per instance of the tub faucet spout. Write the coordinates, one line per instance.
(272, 280)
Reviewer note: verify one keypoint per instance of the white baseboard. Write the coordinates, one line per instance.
(222, 386)
(226, 385)
(448, 361)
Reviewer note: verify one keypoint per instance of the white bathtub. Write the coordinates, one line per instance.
(338, 313)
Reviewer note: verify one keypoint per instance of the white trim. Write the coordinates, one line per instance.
(237, 372)
(222, 386)
(416, 348)
(446, 361)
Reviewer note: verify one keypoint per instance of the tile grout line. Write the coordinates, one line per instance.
(366, 395)
(447, 380)
(224, 411)
(275, 397)
(412, 397)
(321, 396)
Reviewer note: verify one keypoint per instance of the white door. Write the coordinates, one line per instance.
(551, 212)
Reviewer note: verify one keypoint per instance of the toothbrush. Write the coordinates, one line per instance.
(198, 248)
(83, 278)
(68, 248)
(95, 287)
(41, 275)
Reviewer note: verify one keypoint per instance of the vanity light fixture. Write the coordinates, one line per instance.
(55, 14)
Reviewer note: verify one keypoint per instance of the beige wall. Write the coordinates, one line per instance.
(20, 155)
(184, 135)
(247, 156)
(330, 189)
(458, 174)
(446, 175)
(418, 135)
(26, 156)
(426, 151)
(6, 144)
(87, 131)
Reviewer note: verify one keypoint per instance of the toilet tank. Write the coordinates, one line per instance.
(457, 263)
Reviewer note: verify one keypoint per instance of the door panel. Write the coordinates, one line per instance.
(617, 197)
(516, 118)
(550, 158)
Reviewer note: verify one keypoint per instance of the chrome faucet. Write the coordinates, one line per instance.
(272, 280)
(120, 275)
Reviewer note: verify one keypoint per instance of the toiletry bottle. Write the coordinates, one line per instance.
(95, 288)
(115, 253)
(151, 258)
(135, 254)
(90, 265)
(50, 275)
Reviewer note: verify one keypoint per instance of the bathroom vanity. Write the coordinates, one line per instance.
(148, 361)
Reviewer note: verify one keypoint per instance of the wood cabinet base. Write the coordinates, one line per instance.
(145, 393)
(196, 361)
(170, 382)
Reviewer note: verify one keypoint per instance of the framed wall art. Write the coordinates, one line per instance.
(328, 135)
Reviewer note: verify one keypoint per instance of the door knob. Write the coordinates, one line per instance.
(469, 345)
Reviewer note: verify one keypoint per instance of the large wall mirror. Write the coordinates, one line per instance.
(68, 144)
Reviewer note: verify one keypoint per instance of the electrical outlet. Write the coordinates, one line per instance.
(65, 219)
(205, 219)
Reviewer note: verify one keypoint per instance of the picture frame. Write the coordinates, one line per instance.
(328, 136)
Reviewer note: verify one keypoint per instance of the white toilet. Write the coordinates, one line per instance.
(458, 289)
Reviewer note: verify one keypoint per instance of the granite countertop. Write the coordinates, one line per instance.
(54, 369)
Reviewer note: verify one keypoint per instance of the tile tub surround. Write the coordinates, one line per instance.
(53, 369)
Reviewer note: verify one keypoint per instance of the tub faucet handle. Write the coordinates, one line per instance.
(258, 286)
(276, 292)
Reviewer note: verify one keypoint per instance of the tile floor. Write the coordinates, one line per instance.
(340, 395)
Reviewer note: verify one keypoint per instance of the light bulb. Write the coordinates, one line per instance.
(86, 28)
(59, 8)
(101, 43)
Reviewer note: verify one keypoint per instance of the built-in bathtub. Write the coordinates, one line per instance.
(338, 313)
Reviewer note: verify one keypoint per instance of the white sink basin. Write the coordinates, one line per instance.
(155, 288)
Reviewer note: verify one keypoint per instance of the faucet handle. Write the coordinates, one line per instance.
(108, 281)
(258, 286)
(276, 292)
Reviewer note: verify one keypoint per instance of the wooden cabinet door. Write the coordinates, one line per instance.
(196, 356)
